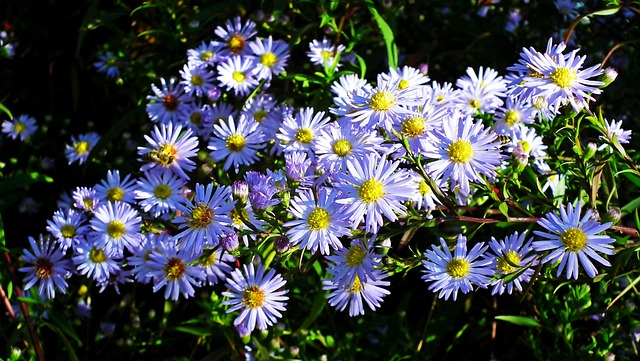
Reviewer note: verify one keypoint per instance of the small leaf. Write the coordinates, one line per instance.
(6, 110)
(387, 35)
(519, 320)
(605, 12)
(196, 330)
(504, 209)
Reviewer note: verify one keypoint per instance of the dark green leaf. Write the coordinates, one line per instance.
(519, 320)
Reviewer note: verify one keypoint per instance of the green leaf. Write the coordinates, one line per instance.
(2, 241)
(16, 181)
(70, 352)
(65, 326)
(519, 320)
(387, 35)
(6, 110)
(605, 12)
(318, 305)
(631, 206)
(504, 209)
(196, 330)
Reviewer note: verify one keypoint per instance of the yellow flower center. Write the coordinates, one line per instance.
(474, 103)
(424, 188)
(19, 127)
(111, 62)
(44, 268)
(563, 77)
(81, 147)
(356, 286)
(574, 239)
(525, 146)
(304, 135)
(342, 148)
(162, 191)
(96, 255)
(370, 191)
(355, 256)
(382, 101)
(505, 262)
(460, 151)
(458, 268)
(206, 55)
(115, 194)
(235, 142)
(115, 229)
(268, 59)
(253, 297)
(68, 231)
(318, 219)
(238, 76)
(512, 117)
(170, 102)
(197, 80)
(413, 126)
(403, 84)
(174, 269)
(236, 43)
(326, 54)
(540, 103)
(260, 115)
(88, 203)
(201, 216)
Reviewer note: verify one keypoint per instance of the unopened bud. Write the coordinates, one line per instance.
(229, 242)
(591, 150)
(613, 215)
(240, 191)
(282, 244)
(608, 77)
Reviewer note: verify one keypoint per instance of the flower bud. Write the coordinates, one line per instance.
(282, 244)
(229, 242)
(613, 215)
(608, 77)
(591, 150)
(240, 191)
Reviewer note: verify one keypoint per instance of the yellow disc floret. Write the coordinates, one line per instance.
(68, 231)
(423, 188)
(382, 101)
(370, 191)
(115, 194)
(81, 147)
(236, 43)
(413, 126)
(238, 76)
(512, 117)
(460, 151)
(235, 142)
(44, 268)
(355, 256)
(162, 191)
(96, 255)
(356, 286)
(574, 239)
(253, 297)
(318, 219)
(563, 77)
(342, 148)
(304, 135)
(201, 216)
(197, 80)
(506, 262)
(268, 59)
(115, 229)
(458, 268)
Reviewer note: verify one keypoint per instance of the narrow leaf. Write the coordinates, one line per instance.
(519, 320)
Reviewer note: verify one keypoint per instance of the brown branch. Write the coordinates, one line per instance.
(7, 304)
(25, 312)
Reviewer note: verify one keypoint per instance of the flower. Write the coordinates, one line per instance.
(80, 147)
(115, 225)
(256, 295)
(421, 194)
(85, 199)
(372, 188)
(342, 142)
(359, 260)
(300, 133)
(561, 80)
(68, 227)
(204, 219)
(173, 270)
(528, 142)
(197, 79)
(159, 192)
(512, 115)
(93, 262)
(169, 149)
(614, 129)
(510, 256)
(320, 220)
(455, 272)
(271, 57)
(235, 36)
(321, 53)
(205, 54)
(168, 104)
(108, 63)
(238, 142)
(48, 268)
(353, 293)
(114, 189)
(573, 240)
(463, 151)
(216, 265)
(22, 126)
(237, 74)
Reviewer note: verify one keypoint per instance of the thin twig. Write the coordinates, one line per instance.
(5, 299)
